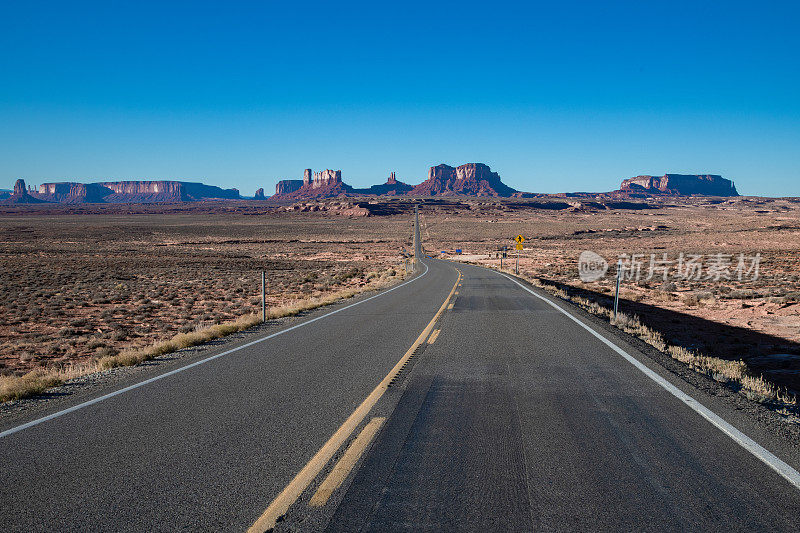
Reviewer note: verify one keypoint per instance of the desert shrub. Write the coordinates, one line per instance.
(106, 351)
(95, 343)
(690, 299)
(740, 294)
(34, 382)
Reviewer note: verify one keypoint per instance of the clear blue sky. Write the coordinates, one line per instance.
(555, 96)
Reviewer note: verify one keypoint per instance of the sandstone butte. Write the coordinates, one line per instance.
(477, 179)
(680, 185)
(21, 195)
(472, 179)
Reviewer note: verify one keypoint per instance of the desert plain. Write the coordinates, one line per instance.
(79, 283)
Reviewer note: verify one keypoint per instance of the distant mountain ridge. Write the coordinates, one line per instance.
(471, 179)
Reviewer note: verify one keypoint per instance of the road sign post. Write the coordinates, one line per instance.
(263, 296)
(519, 239)
(616, 292)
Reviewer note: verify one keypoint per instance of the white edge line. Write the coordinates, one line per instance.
(767, 457)
(196, 363)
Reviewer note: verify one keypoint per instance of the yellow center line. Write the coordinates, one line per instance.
(451, 305)
(434, 336)
(346, 463)
(292, 491)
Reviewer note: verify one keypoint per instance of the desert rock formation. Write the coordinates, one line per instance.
(324, 184)
(20, 195)
(132, 192)
(680, 185)
(259, 194)
(392, 187)
(287, 186)
(74, 193)
(326, 178)
(471, 179)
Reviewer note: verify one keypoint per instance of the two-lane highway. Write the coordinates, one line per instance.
(208, 448)
(459, 401)
(519, 419)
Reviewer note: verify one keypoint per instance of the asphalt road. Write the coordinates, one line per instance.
(210, 447)
(509, 417)
(516, 419)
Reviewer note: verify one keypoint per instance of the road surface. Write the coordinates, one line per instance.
(455, 402)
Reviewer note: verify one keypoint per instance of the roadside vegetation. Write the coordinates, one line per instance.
(39, 379)
(733, 373)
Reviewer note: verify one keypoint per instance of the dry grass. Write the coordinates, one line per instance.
(38, 380)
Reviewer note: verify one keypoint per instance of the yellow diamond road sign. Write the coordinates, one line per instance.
(520, 239)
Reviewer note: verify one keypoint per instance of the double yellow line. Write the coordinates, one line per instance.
(311, 470)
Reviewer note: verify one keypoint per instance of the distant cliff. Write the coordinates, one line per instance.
(74, 193)
(472, 179)
(287, 186)
(132, 192)
(680, 185)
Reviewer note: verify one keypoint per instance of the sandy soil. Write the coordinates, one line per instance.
(78, 282)
(79, 286)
